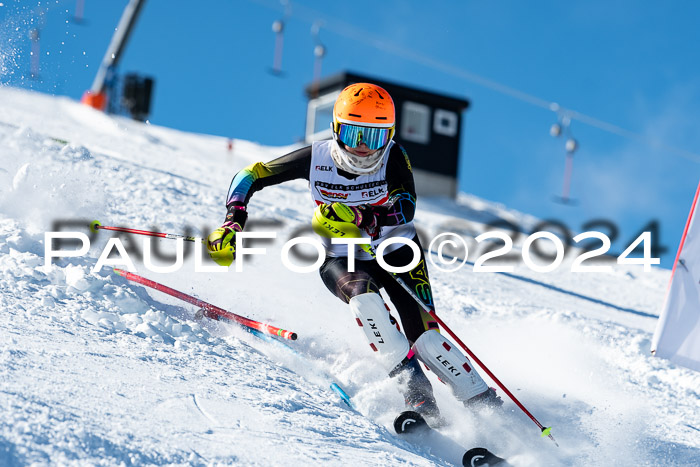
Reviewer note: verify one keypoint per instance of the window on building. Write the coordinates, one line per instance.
(319, 116)
(445, 123)
(415, 122)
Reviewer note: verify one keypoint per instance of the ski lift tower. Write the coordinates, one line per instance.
(96, 96)
(429, 126)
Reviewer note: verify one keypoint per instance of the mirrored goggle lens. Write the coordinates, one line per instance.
(354, 135)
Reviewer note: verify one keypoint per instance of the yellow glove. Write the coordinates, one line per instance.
(221, 243)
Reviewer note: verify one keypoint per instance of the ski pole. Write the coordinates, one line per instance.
(95, 226)
(210, 311)
(546, 431)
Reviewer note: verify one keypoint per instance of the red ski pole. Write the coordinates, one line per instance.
(210, 311)
(95, 226)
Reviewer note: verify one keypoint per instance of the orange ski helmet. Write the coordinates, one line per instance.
(363, 113)
(364, 104)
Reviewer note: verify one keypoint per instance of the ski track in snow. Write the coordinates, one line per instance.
(98, 371)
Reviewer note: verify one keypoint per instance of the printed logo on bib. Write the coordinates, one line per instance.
(333, 195)
(324, 168)
(370, 192)
(374, 193)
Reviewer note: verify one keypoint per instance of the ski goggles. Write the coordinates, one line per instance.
(354, 135)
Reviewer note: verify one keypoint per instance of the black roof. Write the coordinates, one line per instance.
(345, 78)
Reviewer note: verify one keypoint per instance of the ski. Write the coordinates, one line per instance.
(482, 457)
(413, 424)
(335, 387)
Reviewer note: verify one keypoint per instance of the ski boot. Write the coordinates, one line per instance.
(418, 392)
(488, 398)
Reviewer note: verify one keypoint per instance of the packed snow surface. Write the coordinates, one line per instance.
(95, 370)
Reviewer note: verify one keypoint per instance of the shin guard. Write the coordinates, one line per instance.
(373, 317)
(449, 364)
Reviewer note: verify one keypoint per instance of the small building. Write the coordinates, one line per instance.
(428, 125)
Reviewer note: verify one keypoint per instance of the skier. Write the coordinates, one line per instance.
(361, 179)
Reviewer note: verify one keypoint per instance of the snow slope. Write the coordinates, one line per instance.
(98, 371)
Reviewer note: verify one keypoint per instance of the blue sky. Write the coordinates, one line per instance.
(632, 65)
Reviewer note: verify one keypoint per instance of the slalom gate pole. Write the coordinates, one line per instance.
(95, 226)
(210, 311)
(546, 431)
